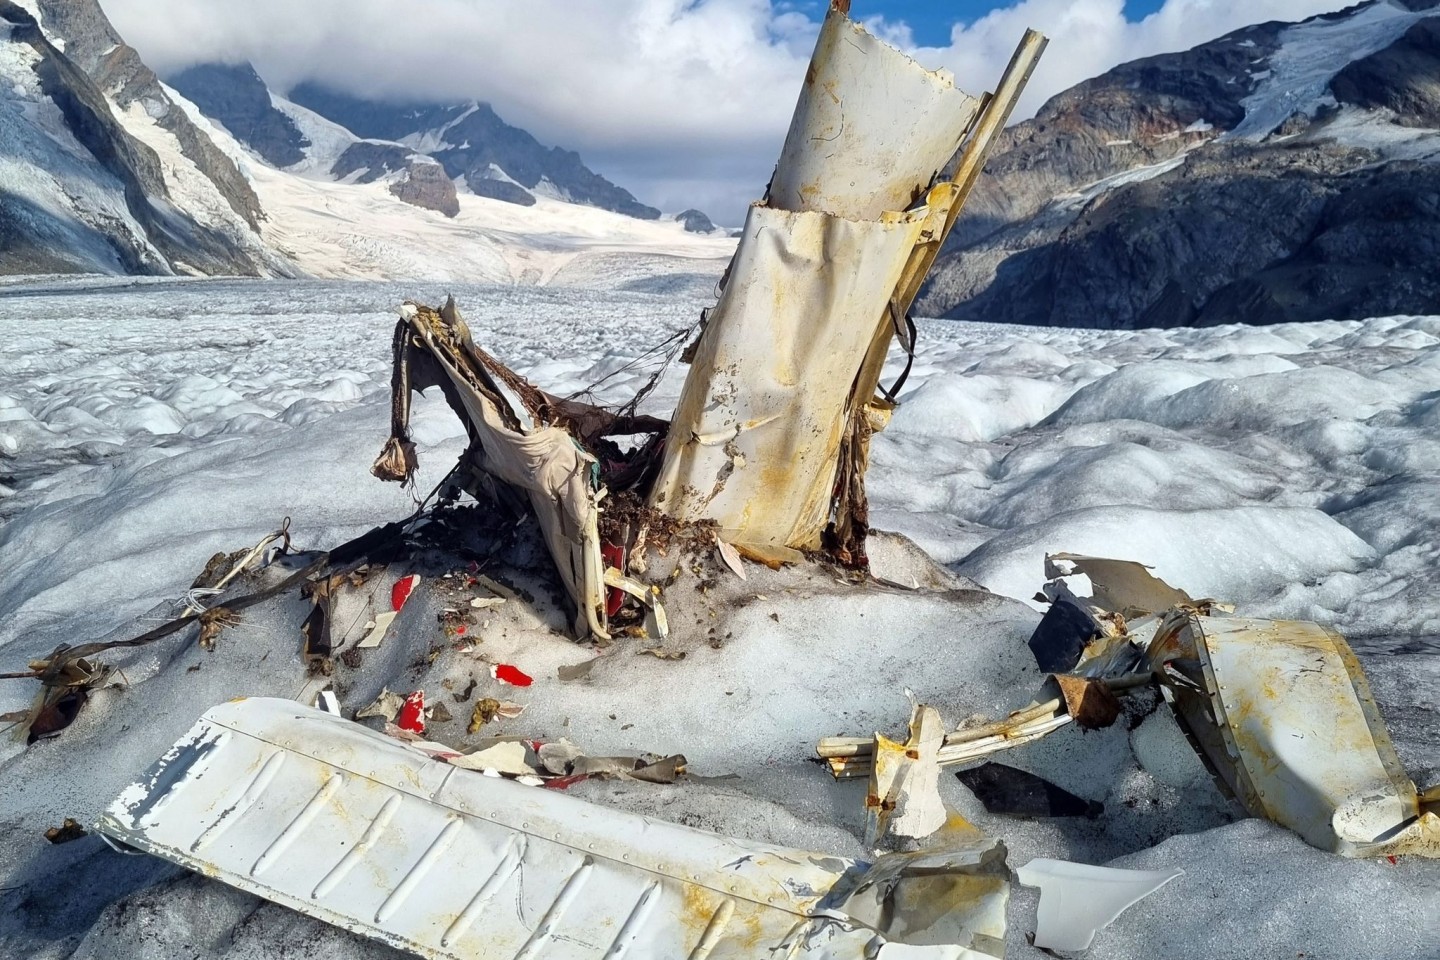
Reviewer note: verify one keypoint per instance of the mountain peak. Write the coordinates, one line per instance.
(470, 140)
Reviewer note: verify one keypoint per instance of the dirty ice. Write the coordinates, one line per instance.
(1292, 470)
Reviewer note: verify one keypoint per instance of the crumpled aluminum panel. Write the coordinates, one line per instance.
(346, 825)
(755, 437)
(1304, 742)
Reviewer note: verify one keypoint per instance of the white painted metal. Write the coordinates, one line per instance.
(754, 442)
(871, 130)
(757, 431)
(353, 828)
(1304, 742)
(1077, 899)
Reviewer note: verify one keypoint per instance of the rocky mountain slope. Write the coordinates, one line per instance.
(102, 170)
(1282, 172)
(475, 146)
(421, 151)
(290, 138)
(105, 169)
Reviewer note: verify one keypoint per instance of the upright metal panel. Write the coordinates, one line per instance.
(759, 423)
(871, 130)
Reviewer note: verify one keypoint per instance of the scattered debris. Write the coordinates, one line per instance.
(401, 591)
(1076, 899)
(487, 603)
(1118, 586)
(1090, 703)
(325, 700)
(563, 759)
(512, 675)
(507, 759)
(576, 671)
(488, 708)
(904, 796)
(412, 713)
(67, 679)
(1011, 792)
(660, 653)
(731, 556)
(69, 830)
(850, 757)
(387, 706)
(376, 629)
(317, 642)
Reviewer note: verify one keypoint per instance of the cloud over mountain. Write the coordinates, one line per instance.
(686, 100)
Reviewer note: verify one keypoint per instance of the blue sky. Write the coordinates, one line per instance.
(930, 20)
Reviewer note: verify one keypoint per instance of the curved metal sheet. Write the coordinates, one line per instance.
(871, 130)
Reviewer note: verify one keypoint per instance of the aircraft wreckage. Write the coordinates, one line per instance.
(366, 824)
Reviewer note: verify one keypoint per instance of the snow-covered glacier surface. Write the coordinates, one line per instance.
(1293, 470)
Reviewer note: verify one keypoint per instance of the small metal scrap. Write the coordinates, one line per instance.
(68, 831)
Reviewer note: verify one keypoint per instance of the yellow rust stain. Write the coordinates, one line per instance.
(697, 906)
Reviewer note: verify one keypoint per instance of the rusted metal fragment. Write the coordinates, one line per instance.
(904, 796)
(1118, 586)
(1089, 702)
(355, 829)
(1283, 713)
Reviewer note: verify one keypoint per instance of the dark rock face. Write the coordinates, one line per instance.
(1134, 115)
(422, 182)
(179, 239)
(426, 185)
(474, 138)
(1294, 227)
(1404, 77)
(375, 159)
(92, 44)
(237, 97)
(502, 190)
(695, 222)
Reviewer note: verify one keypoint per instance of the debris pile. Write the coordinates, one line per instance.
(1279, 710)
(412, 814)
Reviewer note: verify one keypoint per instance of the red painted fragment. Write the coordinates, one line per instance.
(512, 675)
(614, 597)
(412, 714)
(565, 783)
(402, 590)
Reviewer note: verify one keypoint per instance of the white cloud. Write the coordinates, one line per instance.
(685, 102)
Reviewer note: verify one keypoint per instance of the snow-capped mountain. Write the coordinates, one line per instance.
(289, 137)
(100, 169)
(105, 169)
(476, 147)
(422, 151)
(1282, 172)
